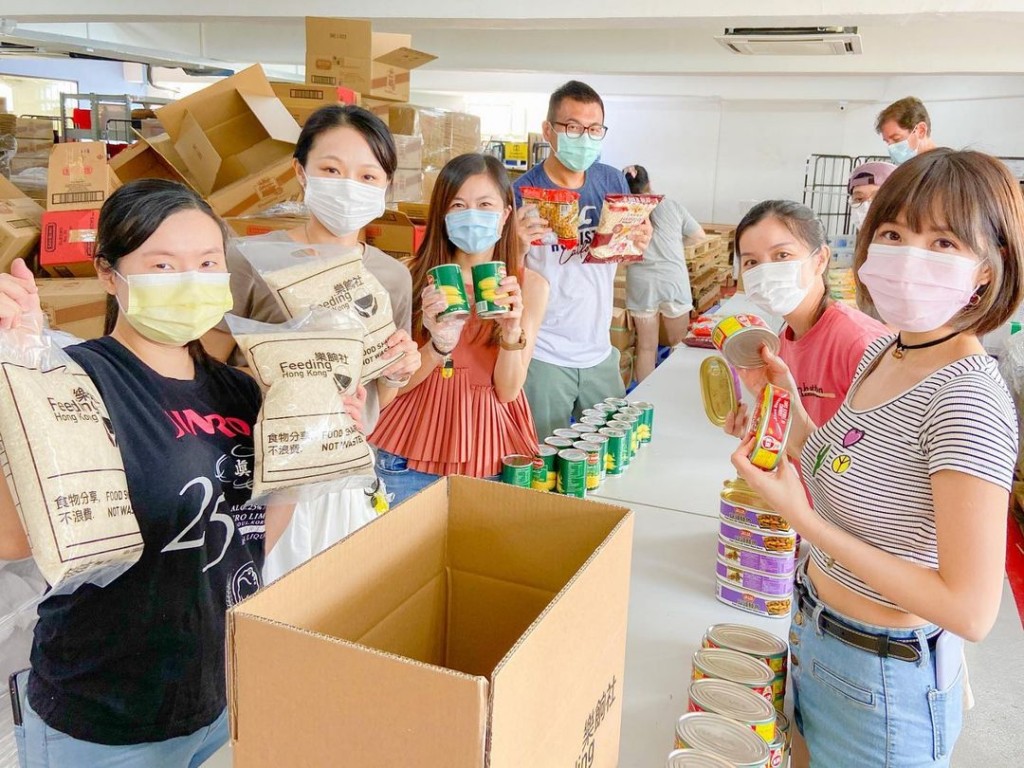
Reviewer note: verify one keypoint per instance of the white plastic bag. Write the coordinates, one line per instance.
(62, 463)
(306, 445)
(1011, 366)
(303, 277)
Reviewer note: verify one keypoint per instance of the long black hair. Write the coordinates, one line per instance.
(370, 127)
(129, 218)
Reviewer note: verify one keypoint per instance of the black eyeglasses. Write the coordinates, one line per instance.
(575, 130)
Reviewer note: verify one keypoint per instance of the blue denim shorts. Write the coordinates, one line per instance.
(855, 708)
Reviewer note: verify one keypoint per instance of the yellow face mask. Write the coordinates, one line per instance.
(178, 307)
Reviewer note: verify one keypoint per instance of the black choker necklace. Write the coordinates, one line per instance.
(900, 347)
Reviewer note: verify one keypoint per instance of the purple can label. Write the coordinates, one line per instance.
(752, 580)
(768, 541)
(755, 518)
(772, 606)
(778, 565)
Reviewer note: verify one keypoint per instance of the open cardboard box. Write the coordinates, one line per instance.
(303, 99)
(230, 130)
(78, 307)
(20, 219)
(475, 624)
(348, 52)
(397, 234)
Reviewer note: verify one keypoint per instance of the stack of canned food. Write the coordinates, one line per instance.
(735, 702)
(756, 554)
(576, 460)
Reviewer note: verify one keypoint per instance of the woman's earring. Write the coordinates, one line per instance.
(975, 300)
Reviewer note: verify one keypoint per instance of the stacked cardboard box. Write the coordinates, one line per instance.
(35, 140)
(443, 134)
(623, 334)
(77, 306)
(303, 99)
(20, 220)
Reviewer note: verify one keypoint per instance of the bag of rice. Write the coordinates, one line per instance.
(62, 464)
(304, 277)
(621, 217)
(306, 445)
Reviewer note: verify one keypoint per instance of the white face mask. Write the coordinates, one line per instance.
(777, 287)
(859, 212)
(343, 206)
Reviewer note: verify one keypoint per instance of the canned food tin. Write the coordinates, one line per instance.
(647, 419)
(781, 585)
(782, 726)
(775, 542)
(583, 429)
(761, 645)
(719, 389)
(616, 402)
(544, 475)
(615, 459)
(567, 433)
(594, 421)
(627, 446)
(739, 746)
(631, 410)
(777, 751)
(740, 338)
(779, 689)
(601, 440)
(770, 426)
(517, 470)
(594, 413)
(594, 454)
(735, 702)
(572, 473)
(735, 667)
(447, 278)
(606, 409)
(486, 280)
(692, 758)
(770, 606)
(634, 430)
(733, 509)
(775, 564)
(561, 443)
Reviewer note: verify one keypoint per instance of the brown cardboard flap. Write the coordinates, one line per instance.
(198, 153)
(274, 116)
(405, 58)
(251, 80)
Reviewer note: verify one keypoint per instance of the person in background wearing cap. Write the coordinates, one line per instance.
(906, 128)
(863, 186)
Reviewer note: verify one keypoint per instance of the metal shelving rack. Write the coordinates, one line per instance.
(103, 127)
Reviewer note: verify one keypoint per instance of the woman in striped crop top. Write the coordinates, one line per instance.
(910, 479)
(464, 409)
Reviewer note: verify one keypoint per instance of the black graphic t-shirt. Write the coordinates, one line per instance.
(142, 659)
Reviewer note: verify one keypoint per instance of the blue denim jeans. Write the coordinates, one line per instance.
(855, 708)
(400, 481)
(40, 746)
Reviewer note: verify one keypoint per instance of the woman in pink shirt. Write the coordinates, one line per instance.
(784, 256)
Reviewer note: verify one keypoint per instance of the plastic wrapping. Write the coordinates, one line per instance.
(62, 463)
(621, 218)
(303, 277)
(306, 445)
(560, 208)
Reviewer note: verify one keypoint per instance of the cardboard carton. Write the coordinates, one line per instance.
(303, 99)
(77, 307)
(410, 152)
(406, 186)
(348, 52)
(381, 109)
(248, 226)
(230, 130)
(153, 158)
(79, 177)
(475, 624)
(396, 234)
(20, 219)
(68, 243)
(445, 134)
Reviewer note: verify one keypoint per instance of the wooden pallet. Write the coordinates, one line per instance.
(699, 264)
(704, 281)
(708, 300)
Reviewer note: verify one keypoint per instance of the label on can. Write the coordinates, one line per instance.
(594, 453)
(753, 580)
(615, 458)
(634, 430)
(771, 606)
(627, 447)
(772, 542)
(740, 338)
(572, 473)
(755, 518)
(647, 420)
(544, 475)
(517, 470)
(754, 560)
(487, 278)
(601, 440)
(770, 427)
(447, 278)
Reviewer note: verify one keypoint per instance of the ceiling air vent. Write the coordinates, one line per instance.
(791, 41)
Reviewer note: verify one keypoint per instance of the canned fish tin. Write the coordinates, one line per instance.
(447, 278)
(544, 475)
(775, 564)
(770, 426)
(779, 689)
(583, 429)
(718, 389)
(594, 455)
(739, 746)
(567, 433)
(739, 338)
(572, 473)
(782, 726)
(755, 538)
(750, 641)
(601, 440)
(616, 402)
(781, 585)
(777, 751)
(647, 419)
(615, 458)
(517, 470)
(692, 758)
(744, 507)
(735, 702)
(561, 443)
(486, 281)
(735, 667)
(769, 606)
(594, 421)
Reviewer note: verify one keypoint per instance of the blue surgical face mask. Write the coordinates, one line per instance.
(577, 153)
(473, 230)
(900, 152)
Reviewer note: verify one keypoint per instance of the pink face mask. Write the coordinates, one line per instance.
(917, 290)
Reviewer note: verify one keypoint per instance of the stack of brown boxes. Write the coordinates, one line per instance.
(303, 99)
(444, 135)
(622, 332)
(35, 140)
